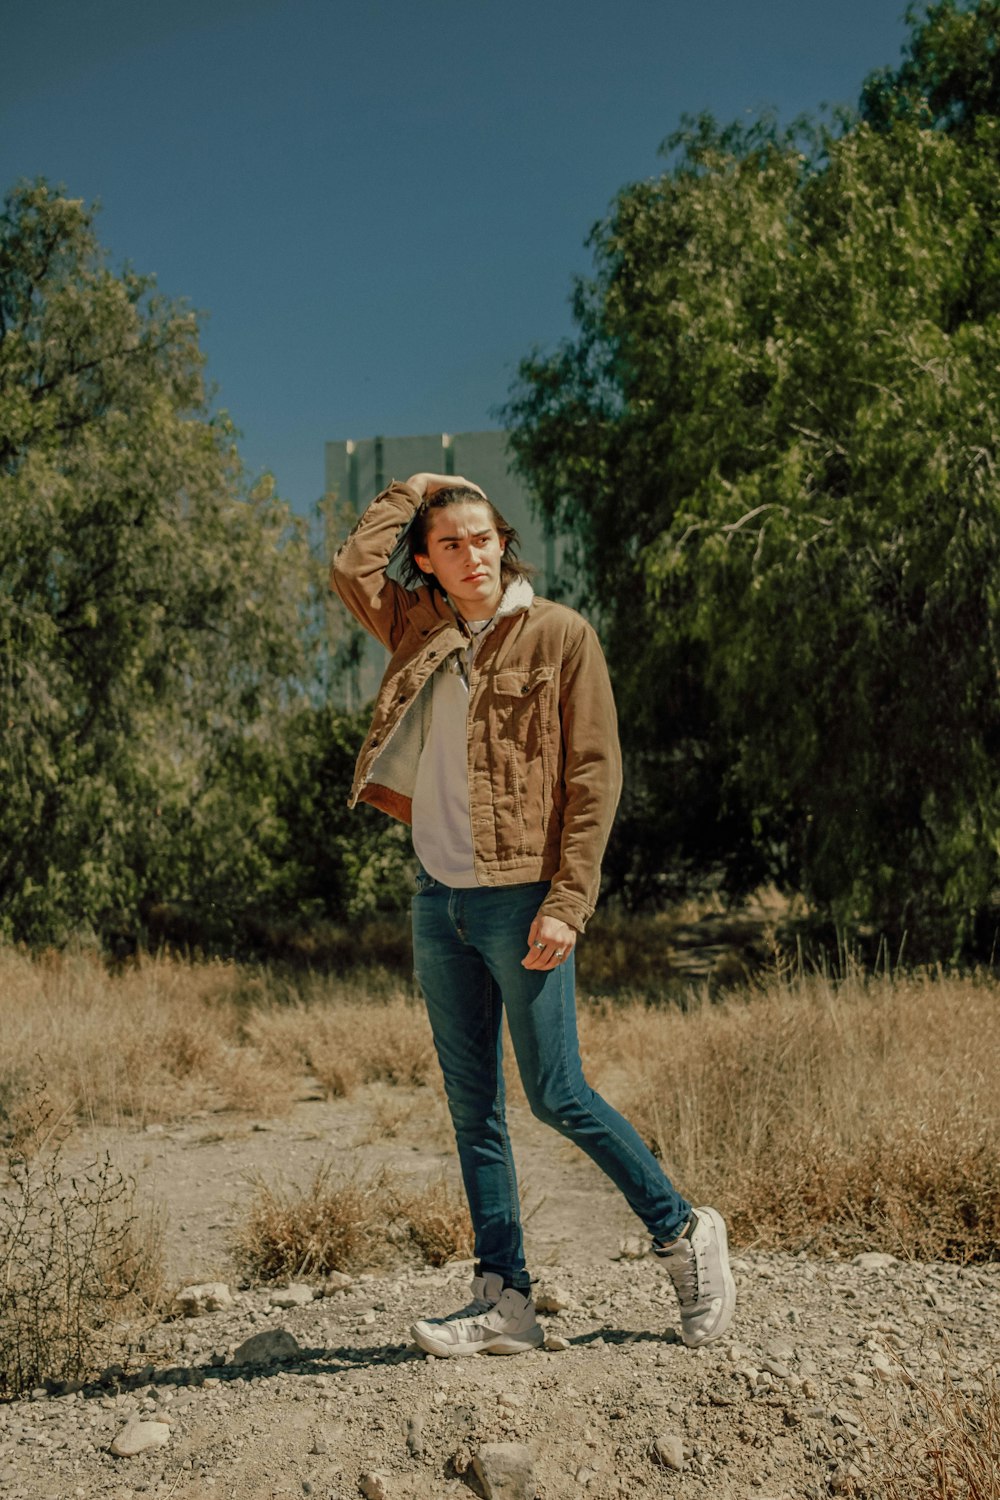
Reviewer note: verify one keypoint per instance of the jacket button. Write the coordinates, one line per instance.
(525, 689)
(402, 698)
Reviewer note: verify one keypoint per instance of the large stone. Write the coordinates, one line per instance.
(668, 1450)
(337, 1281)
(874, 1260)
(505, 1471)
(136, 1437)
(296, 1295)
(207, 1297)
(266, 1348)
(552, 1298)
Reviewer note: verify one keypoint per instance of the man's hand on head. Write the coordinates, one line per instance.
(428, 484)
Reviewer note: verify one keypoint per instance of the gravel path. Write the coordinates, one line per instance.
(802, 1396)
(822, 1372)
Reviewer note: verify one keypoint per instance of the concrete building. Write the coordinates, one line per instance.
(358, 469)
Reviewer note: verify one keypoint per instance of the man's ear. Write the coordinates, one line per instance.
(423, 562)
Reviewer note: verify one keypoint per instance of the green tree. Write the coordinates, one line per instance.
(154, 611)
(774, 440)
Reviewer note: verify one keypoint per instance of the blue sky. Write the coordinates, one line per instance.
(379, 207)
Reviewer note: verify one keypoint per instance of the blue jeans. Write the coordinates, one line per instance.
(467, 948)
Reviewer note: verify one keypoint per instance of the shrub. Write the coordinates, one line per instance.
(80, 1275)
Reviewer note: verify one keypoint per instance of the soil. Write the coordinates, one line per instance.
(819, 1378)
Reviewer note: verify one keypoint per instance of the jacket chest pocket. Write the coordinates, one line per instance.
(526, 725)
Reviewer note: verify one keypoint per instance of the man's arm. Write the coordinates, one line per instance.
(592, 776)
(357, 573)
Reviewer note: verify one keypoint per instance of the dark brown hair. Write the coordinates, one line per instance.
(511, 566)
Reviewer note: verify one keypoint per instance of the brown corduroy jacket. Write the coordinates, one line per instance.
(543, 755)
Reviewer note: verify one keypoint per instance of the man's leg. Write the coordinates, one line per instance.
(464, 1008)
(541, 1013)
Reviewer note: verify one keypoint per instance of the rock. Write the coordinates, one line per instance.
(505, 1471)
(552, 1298)
(633, 1248)
(266, 1348)
(555, 1343)
(884, 1368)
(461, 1461)
(136, 1437)
(776, 1368)
(415, 1435)
(874, 1260)
(337, 1281)
(374, 1486)
(296, 1295)
(668, 1450)
(206, 1297)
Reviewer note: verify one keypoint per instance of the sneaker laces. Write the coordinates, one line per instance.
(683, 1270)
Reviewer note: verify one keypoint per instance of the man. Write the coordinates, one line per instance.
(494, 735)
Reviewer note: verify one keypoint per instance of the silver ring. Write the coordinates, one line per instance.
(538, 945)
(560, 952)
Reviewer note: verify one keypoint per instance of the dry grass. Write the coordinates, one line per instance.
(438, 1223)
(864, 1114)
(331, 1225)
(944, 1446)
(351, 1042)
(345, 1224)
(164, 1038)
(836, 1116)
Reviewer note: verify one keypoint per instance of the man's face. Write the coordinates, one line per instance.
(464, 553)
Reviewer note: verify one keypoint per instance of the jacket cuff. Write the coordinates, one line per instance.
(567, 908)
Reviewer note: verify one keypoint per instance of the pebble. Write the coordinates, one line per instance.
(374, 1486)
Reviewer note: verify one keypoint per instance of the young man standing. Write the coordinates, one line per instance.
(494, 735)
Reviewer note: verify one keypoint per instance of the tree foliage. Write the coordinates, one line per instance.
(159, 617)
(774, 441)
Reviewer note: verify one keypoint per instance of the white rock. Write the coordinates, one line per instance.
(552, 1298)
(136, 1437)
(555, 1343)
(505, 1471)
(874, 1260)
(296, 1295)
(206, 1297)
(374, 1486)
(266, 1347)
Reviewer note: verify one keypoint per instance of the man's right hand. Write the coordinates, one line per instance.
(429, 484)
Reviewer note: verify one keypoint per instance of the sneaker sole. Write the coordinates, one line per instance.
(426, 1340)
(728, 1285)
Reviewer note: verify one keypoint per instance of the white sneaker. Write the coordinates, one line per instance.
(495, 1322)
(699, 1270)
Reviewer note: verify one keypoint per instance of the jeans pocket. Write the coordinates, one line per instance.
(423, 881)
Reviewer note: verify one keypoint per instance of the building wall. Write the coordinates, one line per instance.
(358, 469)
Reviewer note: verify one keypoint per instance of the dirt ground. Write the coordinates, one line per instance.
(820, 1378)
